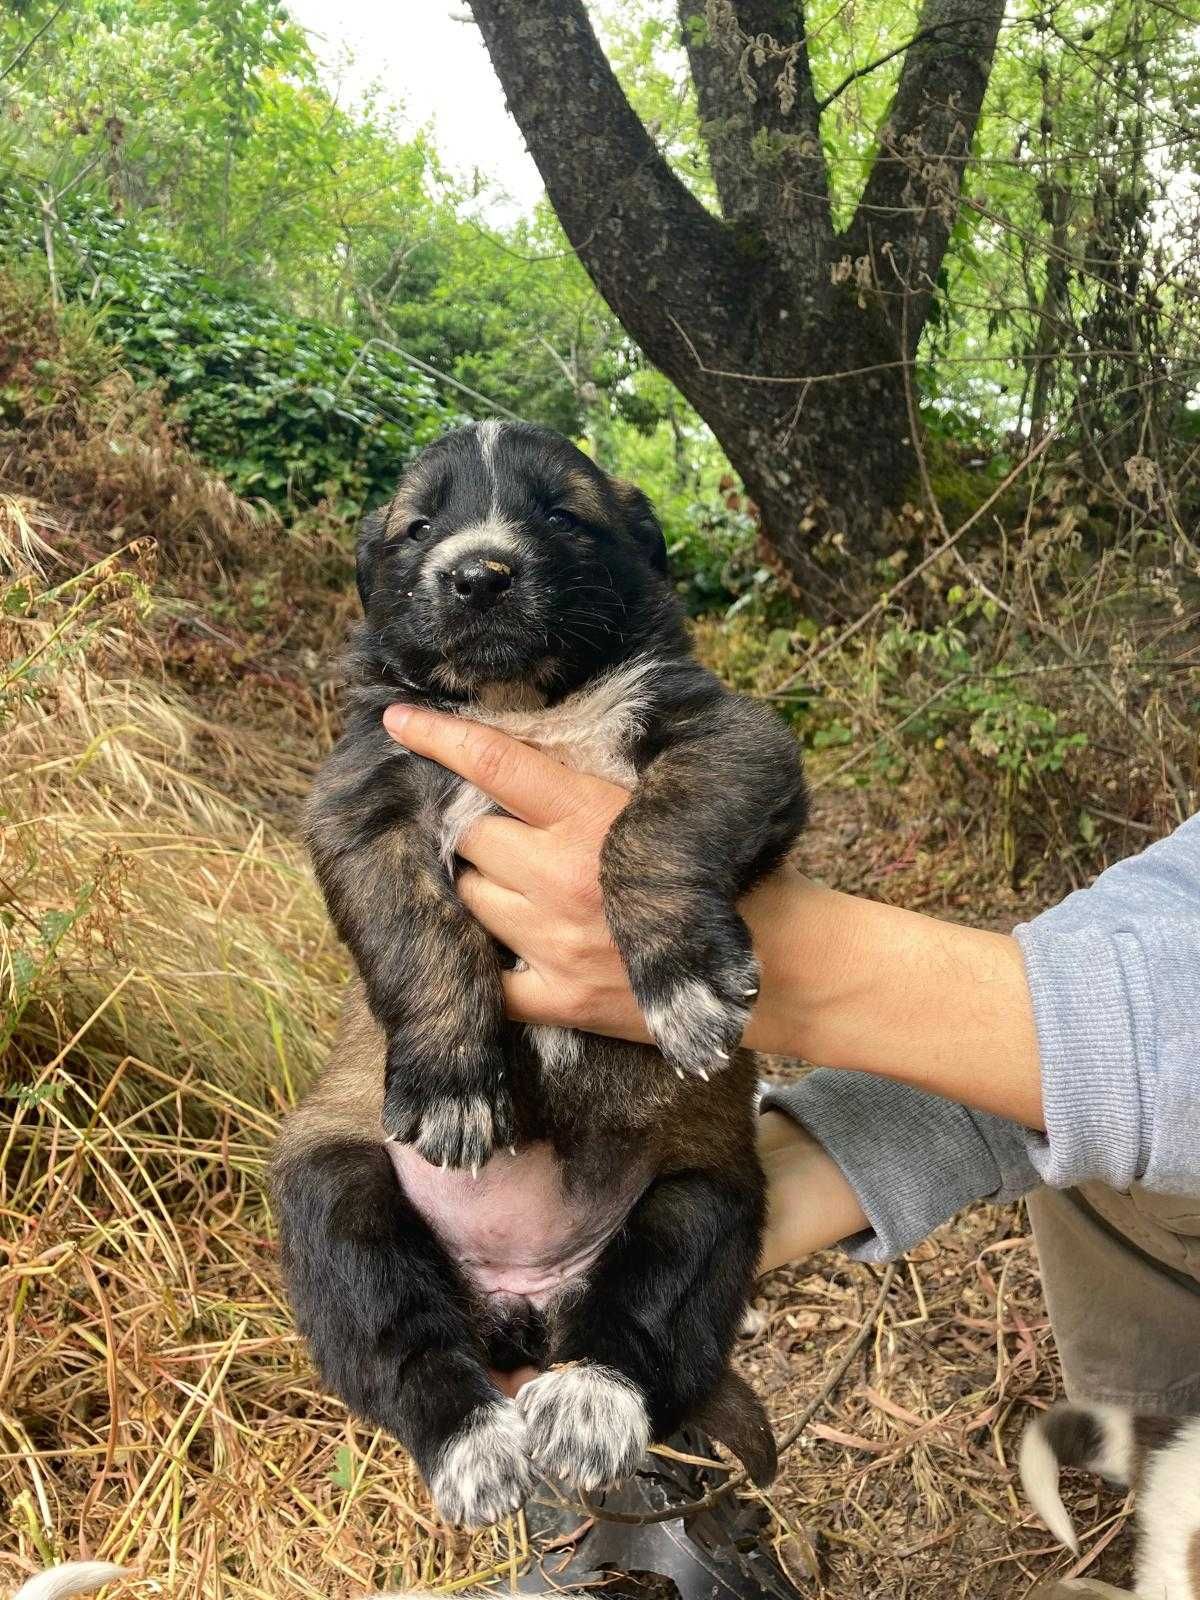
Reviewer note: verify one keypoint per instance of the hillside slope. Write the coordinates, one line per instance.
(170, 981)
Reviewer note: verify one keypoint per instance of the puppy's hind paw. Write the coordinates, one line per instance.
(587, 1424)
(483, 1473)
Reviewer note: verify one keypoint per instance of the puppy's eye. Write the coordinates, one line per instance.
(561, 521)
(419, 528)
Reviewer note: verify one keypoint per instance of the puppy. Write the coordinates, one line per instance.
(459, 1193)
(1157, 1456)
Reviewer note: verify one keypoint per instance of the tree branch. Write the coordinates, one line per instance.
(908, 206)
(648, 244)
(881, 61)
(29, 43)
(761, 123)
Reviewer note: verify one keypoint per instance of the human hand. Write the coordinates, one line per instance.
(532, 880)
(532, 876)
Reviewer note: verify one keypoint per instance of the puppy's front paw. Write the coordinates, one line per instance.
(587, 1424)
(697, 1004)
(452, 1124)
(483, 1471)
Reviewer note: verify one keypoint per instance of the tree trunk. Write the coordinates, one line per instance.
(790, 340)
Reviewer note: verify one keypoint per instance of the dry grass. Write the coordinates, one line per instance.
(906, 1488)
(78, 436)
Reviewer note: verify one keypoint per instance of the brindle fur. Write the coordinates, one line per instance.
(424, 1054)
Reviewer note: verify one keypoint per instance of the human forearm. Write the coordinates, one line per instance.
(811, 1203)
(855, 984)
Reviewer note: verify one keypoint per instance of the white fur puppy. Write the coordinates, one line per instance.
(1157, 1456)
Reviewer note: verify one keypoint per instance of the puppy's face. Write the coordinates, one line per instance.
(508, 557)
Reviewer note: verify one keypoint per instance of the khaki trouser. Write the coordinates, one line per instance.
(1121, 1274)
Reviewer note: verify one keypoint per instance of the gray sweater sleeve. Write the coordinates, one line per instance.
(1114, 972)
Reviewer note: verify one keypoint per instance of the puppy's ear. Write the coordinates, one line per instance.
(370, 537)
(642, 522)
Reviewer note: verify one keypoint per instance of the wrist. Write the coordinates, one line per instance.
(858, 985)
(811, 1204)
(812, 947)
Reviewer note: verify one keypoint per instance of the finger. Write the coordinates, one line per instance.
(528, 997)
(504, 850)
(504, 913)
(525, 782)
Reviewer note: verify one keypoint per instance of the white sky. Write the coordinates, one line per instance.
(438, 69)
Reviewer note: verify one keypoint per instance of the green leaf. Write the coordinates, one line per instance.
(342, 1475)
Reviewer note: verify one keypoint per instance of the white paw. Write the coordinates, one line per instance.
(483, 1472)
(587, 1424)
(698, 1029)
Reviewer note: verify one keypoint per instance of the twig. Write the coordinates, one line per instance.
(432, 371)
(889, 595)
(873, 66)
(28, 46)
(890, 732)
(1182, 793)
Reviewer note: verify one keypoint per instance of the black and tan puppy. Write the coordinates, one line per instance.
(459, 1192)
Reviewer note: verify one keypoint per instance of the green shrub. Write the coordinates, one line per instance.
(288, 409)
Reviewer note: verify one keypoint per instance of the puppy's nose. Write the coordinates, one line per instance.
(480, 582)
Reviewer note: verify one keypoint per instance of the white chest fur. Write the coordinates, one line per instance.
(590, 731)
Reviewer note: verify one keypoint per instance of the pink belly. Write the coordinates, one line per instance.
(514, 1229)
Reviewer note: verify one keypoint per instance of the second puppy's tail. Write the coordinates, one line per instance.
(71, 1578)
(1095, 1437)
(81, 1577)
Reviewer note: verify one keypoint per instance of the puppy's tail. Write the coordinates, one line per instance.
(1095, 1437)
(72, 1577)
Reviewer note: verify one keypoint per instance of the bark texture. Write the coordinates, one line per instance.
(786, 336)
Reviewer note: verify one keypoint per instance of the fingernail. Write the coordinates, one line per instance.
(395, 719)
